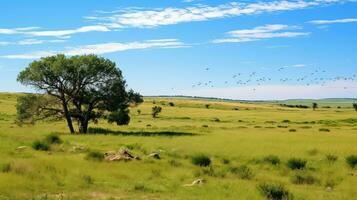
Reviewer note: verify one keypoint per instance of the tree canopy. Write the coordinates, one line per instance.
(79, 88)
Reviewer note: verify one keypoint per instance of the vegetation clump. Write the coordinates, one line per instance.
(243, 172)
(324, 130)
(296, 163)
(53, 138)
(201, 160)
(272, 159)
(40, 145)
(95, 155)
(274, 191)
(352, 161)
(303, 178)
(171, 104)
(331, 158)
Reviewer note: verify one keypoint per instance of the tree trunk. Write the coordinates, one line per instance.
(83, 126)
(68, 117)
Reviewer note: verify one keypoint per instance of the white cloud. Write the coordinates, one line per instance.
(30, 31)
(103, 48)
(338, 89)
(336, 21)
(30, 42)
(261, 32)
(148, 18)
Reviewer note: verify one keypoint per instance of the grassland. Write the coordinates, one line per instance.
(232, 134)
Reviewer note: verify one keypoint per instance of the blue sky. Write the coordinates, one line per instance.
(229, 49)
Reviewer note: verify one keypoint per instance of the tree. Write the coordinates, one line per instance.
(355, 106)
(314, 106)
(155, 111)
(79, 88)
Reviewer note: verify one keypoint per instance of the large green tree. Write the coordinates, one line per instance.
(79, 89)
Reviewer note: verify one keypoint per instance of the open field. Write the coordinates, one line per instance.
(232, 134)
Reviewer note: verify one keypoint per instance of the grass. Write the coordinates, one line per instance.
(178, 134)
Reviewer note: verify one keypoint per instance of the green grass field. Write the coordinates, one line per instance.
(231, 134)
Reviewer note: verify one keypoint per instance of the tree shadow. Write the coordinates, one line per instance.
(104, 131)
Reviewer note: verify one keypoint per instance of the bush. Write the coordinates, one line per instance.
(244, 172)
(88, 179)
(352, 161)
(6, 168)
(201, 160)
(155, 111)
(272, 159)
(292, 130)
(274, 191)
(296, 163)
(285, 121)
(95, 155)
(324, 130)
(53, 138)
(302, 178)
(331, 157)
(171, 104)
(40, 145)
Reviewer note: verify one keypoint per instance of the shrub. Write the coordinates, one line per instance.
(138, 111)
(95, 155)
(205, 126)
(207, 106)
(225, 161)
(272, 159)
(285, 121)
(174, 163)
(243, 171)
(324, 130)
(352, 161)
(171, 104)
(40, 145)
(274, 191)
(216, 119)
(88, 179)
(155, 111)
(201, 160)
(6, 168)
(302, 178)
(296, 163)
(292, 130)
(53, 138)
(331, 157)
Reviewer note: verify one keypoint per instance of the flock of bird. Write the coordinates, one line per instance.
(316, 77)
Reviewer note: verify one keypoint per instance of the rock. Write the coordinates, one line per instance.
(195, 182)
(122, 155)
(154, 155)
(78, 149)
(21, 148)
(329, 189)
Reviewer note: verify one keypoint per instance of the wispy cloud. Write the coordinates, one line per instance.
(30, 31)
(29, 42)
(148, 18)
(261, 32)
(335, 21)
(103, 48)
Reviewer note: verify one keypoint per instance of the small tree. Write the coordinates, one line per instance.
(314, 106)
(355, 106)
(207, 106)
(155, 111)
(79, 88)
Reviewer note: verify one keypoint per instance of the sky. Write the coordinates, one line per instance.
(251, 50)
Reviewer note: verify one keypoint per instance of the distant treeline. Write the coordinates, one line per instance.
(294, 106)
